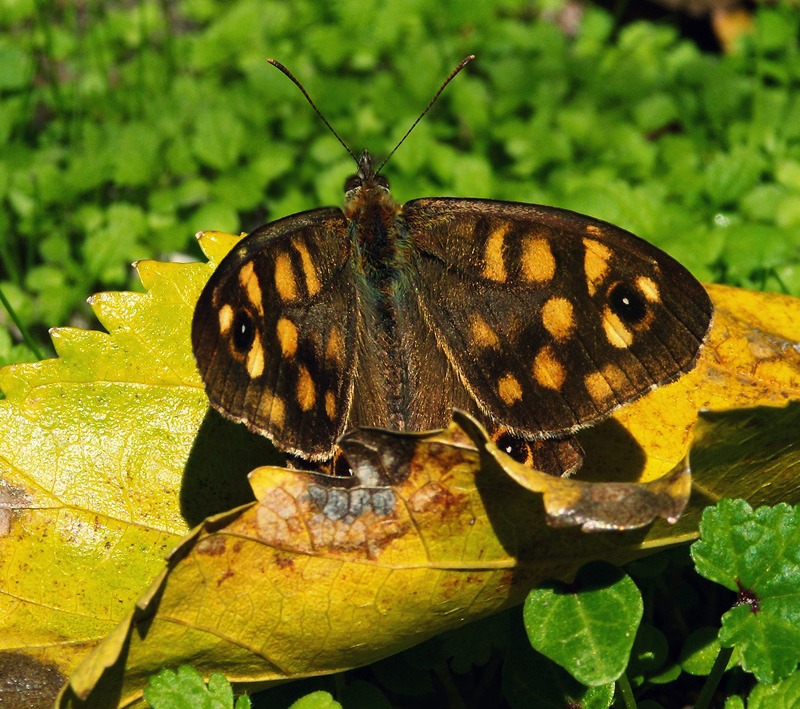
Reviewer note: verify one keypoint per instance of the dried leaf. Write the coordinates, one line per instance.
(603, 506)
(328, 573)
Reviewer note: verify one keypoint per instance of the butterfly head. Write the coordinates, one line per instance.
(368, 192)
(366, 179)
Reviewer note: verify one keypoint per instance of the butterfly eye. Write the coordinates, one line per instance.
(382, 181)
(351, 183)
(244, 331)
(514, 446)
(628, 305)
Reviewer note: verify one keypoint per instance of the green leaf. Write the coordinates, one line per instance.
(730, 175)
(700, 651)
(219, 138)
(589, 626)
(648, 655)
(316, 700)
(186, 689)
(135, 154)
(16, 67)
(734, 703)
(743, 242)
(531, 680)
(756, 554)
(781, 695)
(216, 215)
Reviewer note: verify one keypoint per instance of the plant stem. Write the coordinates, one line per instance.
(28, 341)
(626, 692)
(714, 678)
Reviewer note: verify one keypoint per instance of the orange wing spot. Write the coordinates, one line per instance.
(509, 389)
(537, 263)
(548, 370)
(335, 347)
(618, 335)
(494, 267)
(615, 376)
(592, 229)
(312, 281)
(255, 358)
(287, 337)
(225, 319)
(595, 263)
(558, 318)
(483, 335)
(277, 412)
(306, 392)
(270, 409)
(602, 385)
(285, 282)
(649, 289)
(598, 387)
(249, 281)
(330, 404)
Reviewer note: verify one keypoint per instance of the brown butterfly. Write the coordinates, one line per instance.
(538, 320)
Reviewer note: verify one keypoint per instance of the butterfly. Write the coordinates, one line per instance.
(538, 320)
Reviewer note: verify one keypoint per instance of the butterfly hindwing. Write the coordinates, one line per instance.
(274, 332)
(552, 319)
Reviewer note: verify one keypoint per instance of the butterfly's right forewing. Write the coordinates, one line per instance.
(274, 332)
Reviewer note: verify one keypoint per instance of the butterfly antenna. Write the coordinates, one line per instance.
(461, 65)
(297, 83)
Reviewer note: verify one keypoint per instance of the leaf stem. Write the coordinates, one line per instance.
(26, 336)
(714, 678)
(625, 691)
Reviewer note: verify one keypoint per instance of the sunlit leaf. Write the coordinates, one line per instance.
(589, 626)
(781, 695)
(108, 455)
(754, 553)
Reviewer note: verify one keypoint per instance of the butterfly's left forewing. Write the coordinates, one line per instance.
(274, 332)
(552, 319)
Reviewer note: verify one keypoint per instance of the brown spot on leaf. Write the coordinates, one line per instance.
(211, 546)
(26, 682)
(12, 499)
(225, 575)
(434, 495)
(279, 521)
(284, 561)
(761, 348)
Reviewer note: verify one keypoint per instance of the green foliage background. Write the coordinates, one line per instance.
(127, 127)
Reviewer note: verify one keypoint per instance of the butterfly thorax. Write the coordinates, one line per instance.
(371, 213)
(372, 217)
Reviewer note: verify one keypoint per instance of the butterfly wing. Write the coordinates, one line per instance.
(274, 329)
(552, 319)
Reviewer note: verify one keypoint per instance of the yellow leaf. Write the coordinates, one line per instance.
(104, 466)
(324, 574)
(109, 454)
